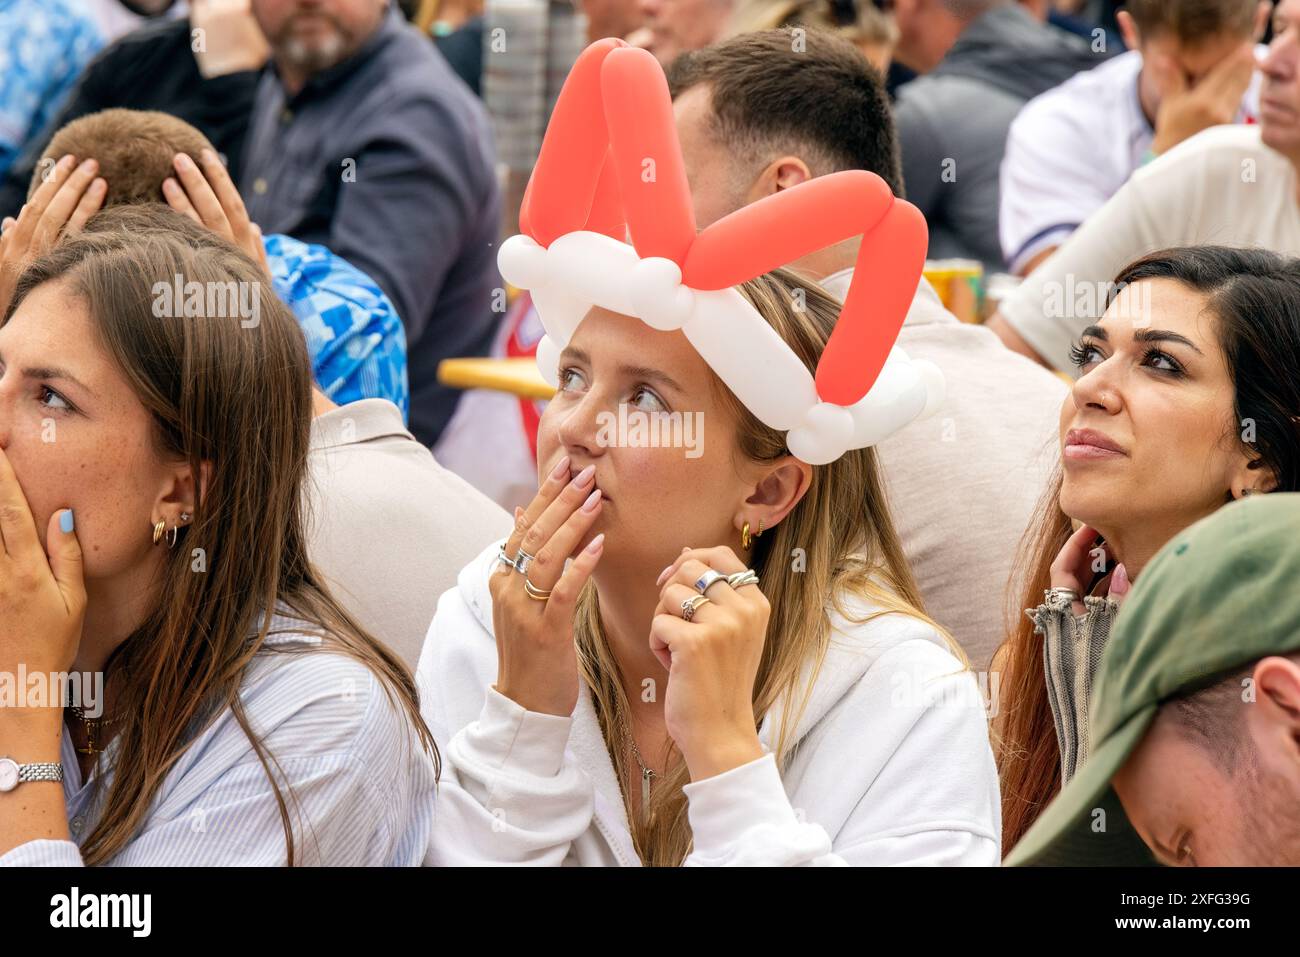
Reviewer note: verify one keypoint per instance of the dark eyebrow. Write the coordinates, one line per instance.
(54, 372)
(1096, 332)
(576, 353)
(645, 372)
(631, 372)
(1164, 335)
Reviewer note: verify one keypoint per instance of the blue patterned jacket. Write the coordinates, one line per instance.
(354, 336)
(44, 46)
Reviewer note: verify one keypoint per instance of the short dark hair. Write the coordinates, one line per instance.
(1212, 718)
(812, 92)
(1193, 21)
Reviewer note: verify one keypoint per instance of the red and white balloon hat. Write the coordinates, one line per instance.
(611, 167)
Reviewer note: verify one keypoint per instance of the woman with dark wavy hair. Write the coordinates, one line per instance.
(1188, 398)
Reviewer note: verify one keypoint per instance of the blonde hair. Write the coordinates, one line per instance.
(843, 528)
(869, 25)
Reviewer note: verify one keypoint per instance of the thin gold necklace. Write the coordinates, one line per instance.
(91, 726)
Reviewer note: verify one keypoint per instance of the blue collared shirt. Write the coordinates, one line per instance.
(364, 787)
(44, 45)
(354, 335)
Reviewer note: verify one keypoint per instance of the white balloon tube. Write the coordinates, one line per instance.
(584, 269)
(751, 358)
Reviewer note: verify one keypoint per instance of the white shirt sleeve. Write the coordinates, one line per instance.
(1050, 179)
(509, 793)
(1067, 292)
(935, 801)
(1217, 187)
(43, 853)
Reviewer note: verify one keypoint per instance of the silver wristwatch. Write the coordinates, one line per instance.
(13, 774)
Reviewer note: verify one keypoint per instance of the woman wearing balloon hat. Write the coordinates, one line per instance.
(714, 658)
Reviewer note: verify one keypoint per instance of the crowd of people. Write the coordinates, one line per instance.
(918, 590)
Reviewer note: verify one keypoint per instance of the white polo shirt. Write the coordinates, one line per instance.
(1072, 148)
(1222, 187)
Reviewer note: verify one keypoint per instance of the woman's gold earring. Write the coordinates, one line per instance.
(744, 537)
(158, 532)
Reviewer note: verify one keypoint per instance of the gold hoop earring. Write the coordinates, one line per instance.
(746, 541)
(158, 532)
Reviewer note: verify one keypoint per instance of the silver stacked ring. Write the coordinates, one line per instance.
(1062, 599)
(522, 561)
(739, 579)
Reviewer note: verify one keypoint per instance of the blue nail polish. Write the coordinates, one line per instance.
(66, 521)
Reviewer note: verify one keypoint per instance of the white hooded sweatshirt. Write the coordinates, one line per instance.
(890, 764)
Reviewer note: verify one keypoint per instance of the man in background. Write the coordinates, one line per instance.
(1195, 759)
(1229, 185)
(363, 140)
(201, 68)
(1191, 64)
(982, 60)
(672, 27)
(754, 118)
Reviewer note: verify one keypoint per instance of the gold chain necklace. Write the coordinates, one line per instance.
(91, 727)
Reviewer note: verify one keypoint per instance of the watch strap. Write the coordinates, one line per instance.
(46, 771)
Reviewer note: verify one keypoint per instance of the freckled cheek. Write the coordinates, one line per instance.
(637, 472)
(649, 480)
(100, 482)
(44, 474)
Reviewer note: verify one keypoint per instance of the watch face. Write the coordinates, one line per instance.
(8, 774)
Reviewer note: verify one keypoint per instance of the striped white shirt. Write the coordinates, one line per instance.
(358, 787)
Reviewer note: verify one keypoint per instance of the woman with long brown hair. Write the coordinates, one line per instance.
(606, 724)
(1187, 399)
(155, 405)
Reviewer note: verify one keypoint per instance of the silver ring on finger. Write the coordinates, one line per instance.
(691, 605)
(504, 559)
(522, 561)
(740, 579)
(1060, 598)
(707, 580)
